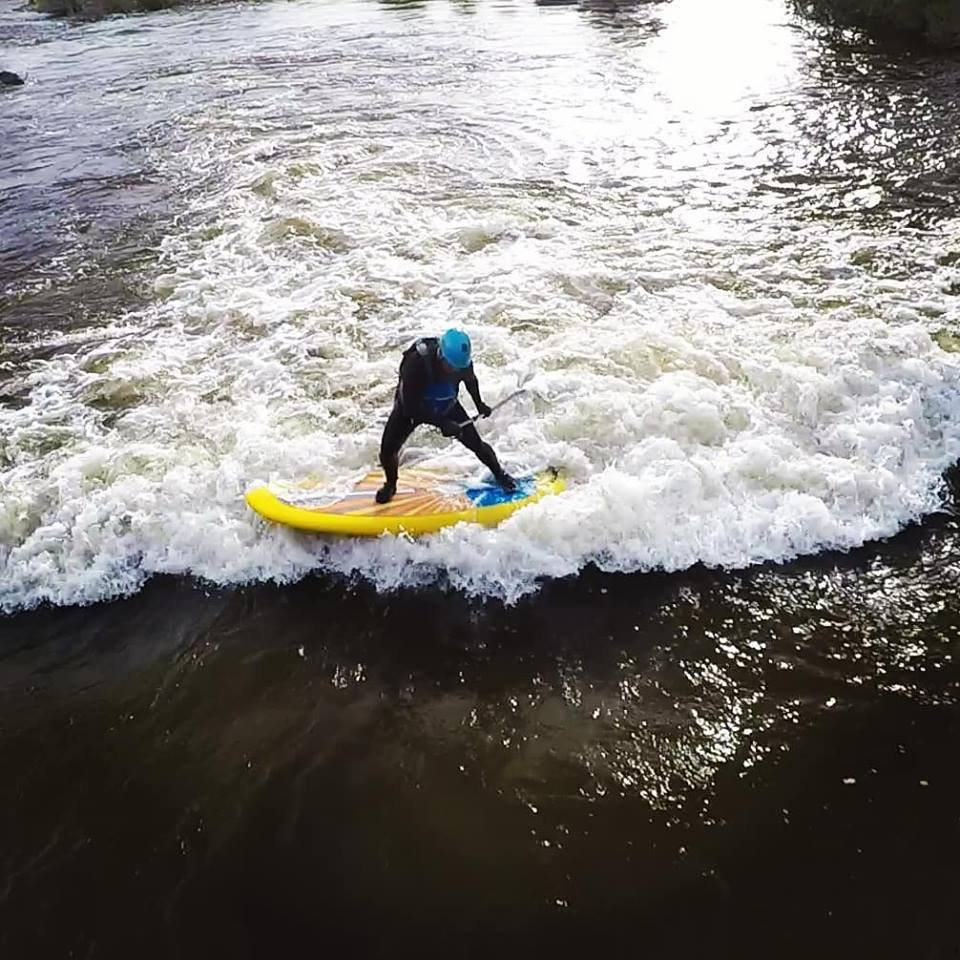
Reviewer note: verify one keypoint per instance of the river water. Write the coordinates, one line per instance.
(704, 700)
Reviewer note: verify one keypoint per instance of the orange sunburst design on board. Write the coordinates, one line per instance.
(419, 492)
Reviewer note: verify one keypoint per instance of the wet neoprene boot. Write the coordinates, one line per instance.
(507, 482)
(385, 493)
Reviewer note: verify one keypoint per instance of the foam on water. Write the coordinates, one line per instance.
(725, 383)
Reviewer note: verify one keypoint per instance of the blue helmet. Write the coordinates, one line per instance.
(455, 349)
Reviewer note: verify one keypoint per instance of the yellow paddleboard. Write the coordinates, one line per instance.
(425, 501)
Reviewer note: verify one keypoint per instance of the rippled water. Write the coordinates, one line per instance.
(726, 252)
(727, 763)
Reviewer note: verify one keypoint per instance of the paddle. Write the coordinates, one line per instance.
(493, 409)
(516, 393)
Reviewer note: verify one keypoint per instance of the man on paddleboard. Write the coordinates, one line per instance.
(431, 372)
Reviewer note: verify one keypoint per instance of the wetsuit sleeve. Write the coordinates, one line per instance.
(413, 384)
(473, 388)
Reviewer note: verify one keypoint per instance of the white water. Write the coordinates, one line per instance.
(726, 374)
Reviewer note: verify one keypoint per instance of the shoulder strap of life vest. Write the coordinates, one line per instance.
(426, 349)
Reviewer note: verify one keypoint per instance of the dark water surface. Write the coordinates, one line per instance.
(747, 764)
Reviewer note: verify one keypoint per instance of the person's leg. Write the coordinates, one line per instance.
(395, 433)
(469, 437)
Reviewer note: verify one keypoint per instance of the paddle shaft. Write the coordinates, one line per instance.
(430, 456)
(476, 416)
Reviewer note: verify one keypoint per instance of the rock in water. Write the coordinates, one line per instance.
(8, 79)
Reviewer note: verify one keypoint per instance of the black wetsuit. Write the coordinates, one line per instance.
(427, 393)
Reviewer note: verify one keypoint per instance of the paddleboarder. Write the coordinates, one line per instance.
(431, 372)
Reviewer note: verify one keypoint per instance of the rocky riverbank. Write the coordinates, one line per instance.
(95, 9)
(933, 22)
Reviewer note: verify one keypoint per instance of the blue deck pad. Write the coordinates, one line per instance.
(491, 495)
